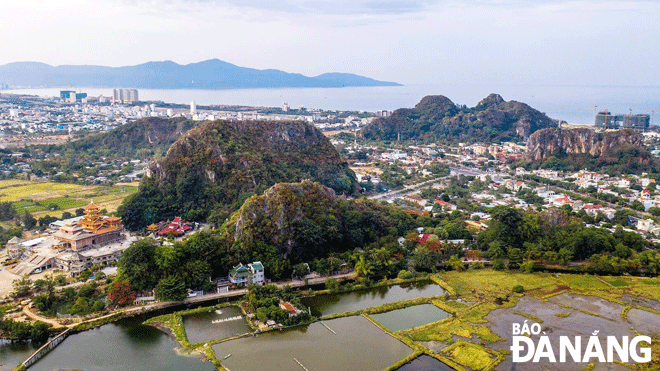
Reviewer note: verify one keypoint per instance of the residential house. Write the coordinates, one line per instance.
(251, 274)
(417, 200)
(445, 205)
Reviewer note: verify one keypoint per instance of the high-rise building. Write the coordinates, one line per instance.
(193, 108)
(126, 96)
(607, 120)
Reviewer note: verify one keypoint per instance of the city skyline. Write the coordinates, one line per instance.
(493, 42)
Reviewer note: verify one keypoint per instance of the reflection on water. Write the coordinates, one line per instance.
(213, 325)
(122, 346)
(339, 303)
(12, 353)
(356, 344)
(410, 317)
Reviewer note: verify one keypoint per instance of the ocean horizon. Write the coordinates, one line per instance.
(573, 104)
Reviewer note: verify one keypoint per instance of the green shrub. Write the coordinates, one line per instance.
(518, 289)
(405, 274)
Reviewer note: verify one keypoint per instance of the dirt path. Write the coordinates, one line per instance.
(34, 316)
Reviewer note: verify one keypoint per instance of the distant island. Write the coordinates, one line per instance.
(210, 74)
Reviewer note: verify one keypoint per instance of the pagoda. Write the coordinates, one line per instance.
(93, 220)
(92, 230)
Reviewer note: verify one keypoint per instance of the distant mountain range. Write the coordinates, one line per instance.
(210, 74)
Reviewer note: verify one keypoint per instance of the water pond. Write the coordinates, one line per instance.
(121, 346)
(410, 317)
(217, 324)
(339, 303)
(350, 343)
(13, 353)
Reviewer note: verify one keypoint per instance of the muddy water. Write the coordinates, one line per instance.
(608, 323)
(356, 344)
(425, 363)
(200, 327)
(123, 346)
(339, 303)
(406, 318)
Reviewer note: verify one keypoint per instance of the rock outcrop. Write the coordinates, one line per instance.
(437, 118)
(548, 142)
(213, 168)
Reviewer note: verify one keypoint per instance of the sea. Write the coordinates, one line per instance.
(573, 104)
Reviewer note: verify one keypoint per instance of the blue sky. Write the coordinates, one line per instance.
(546, 42)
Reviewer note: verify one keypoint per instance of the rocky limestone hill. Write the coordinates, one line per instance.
(436, 117)
(621, 151)
(544, 143)
(213, 168)
(296, 222)
(152, 135)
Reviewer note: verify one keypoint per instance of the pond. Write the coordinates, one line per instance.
(410, 317)
(121, 346)
(347, 302)
(355, 344)
(425, 363)
(217, 324)
(13, 353)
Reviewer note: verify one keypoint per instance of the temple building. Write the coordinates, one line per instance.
(92, 230)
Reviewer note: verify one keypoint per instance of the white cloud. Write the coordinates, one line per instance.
(444, 41)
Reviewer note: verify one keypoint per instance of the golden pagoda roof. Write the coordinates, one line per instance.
(91, 206)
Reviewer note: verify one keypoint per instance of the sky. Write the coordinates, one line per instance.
(513, 42)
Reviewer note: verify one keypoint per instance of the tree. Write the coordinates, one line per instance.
(66, 215)
(527, 266)
(300, 269)
(28, 220)
(331, 284)
(171, 289)
(655, 211)
(22, 286)
(80, 212)
(637, 205)
(364, 268)
(441, 233)
(455, 263)
(138, 264)
(121, 293)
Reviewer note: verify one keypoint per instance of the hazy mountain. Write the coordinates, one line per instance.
(210, 74)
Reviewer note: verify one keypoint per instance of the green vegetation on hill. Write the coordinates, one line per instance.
(303, 221)
(146, 137)
(437, 118)
(213, 168)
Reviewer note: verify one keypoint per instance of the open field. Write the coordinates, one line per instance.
(40, 198)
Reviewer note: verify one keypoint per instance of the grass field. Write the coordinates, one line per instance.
(38, 197)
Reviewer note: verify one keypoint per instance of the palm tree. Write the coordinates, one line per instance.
(364, 268)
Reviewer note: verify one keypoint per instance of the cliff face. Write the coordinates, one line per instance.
(301, 221)
(546, 142)
(438, 118)
(213, 168)
(151, 135)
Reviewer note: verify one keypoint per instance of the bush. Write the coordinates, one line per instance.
(405, 274)
(498, 264)
(518, 289)
(477, 266)
(332, 284)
